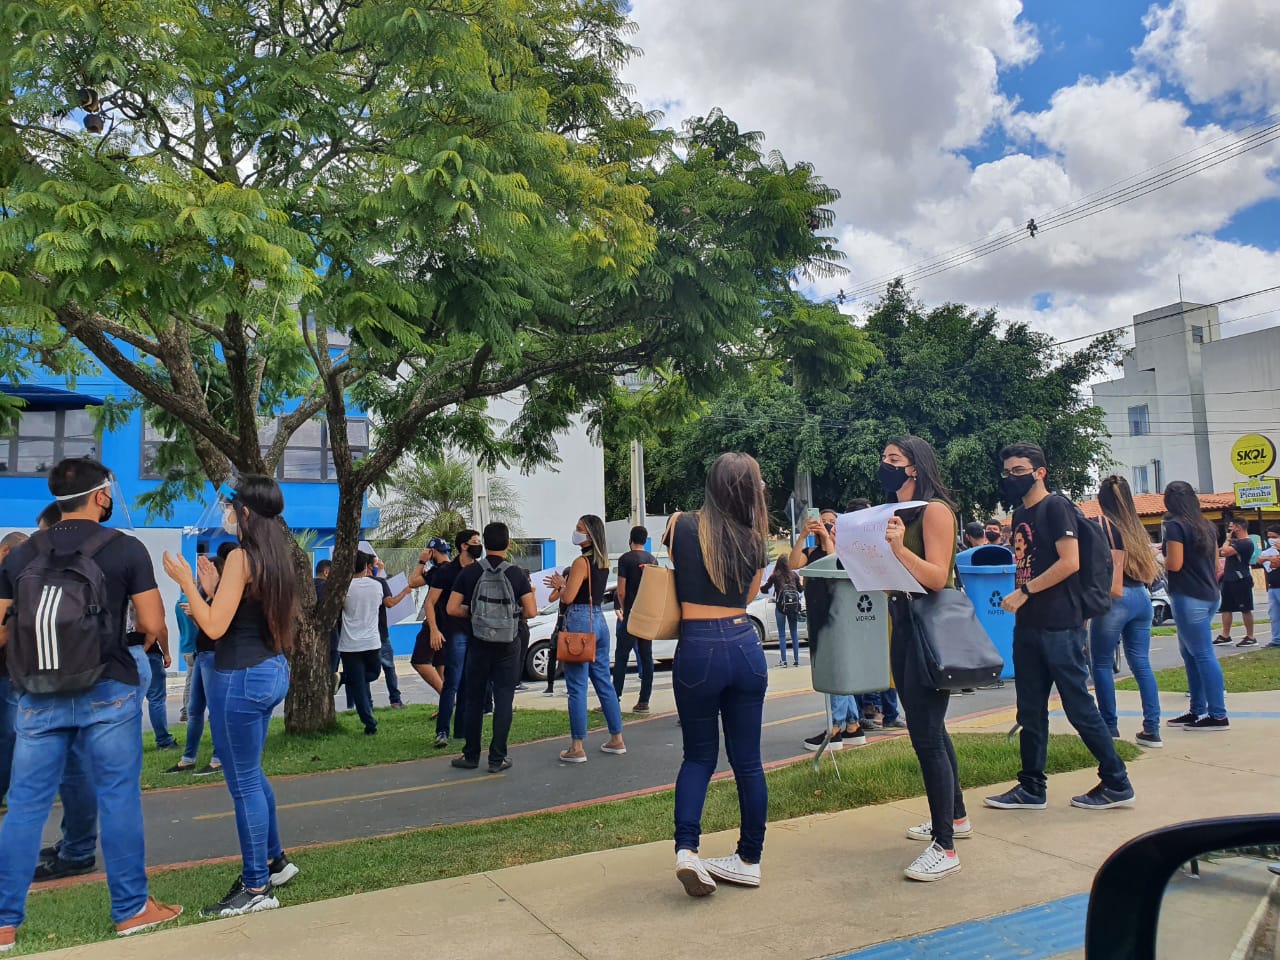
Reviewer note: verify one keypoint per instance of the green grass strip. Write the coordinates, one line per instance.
(1251, 672)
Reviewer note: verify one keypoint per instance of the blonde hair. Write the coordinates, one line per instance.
(599, 549)
(733, 524)
(1116, 501)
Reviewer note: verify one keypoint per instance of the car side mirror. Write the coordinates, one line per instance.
(1204, 888)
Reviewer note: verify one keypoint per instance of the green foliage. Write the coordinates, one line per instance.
(433, 499)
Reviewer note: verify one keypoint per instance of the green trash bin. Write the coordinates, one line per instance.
(848, 632)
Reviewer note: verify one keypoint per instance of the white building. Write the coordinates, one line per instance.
(1186, 395)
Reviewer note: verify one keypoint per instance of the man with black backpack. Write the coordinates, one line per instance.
(63, 597)
(1063, 578)
(492, 596)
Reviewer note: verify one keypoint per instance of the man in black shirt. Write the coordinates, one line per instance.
(1237, 583)
(630, 566)
(448, 637)
(104, 721)
(1049, 637)
(8, 692)
(496, 663)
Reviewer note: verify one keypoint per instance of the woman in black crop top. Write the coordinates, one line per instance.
(586, 584)
(251, 620)
(720, 674)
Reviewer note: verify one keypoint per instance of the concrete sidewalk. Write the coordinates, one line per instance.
(832, 883)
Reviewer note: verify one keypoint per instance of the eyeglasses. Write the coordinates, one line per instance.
(1017, 472)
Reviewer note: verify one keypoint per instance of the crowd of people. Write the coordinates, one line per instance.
(83, 633)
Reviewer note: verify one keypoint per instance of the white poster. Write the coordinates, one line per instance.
(407, 608)
(764, 578)
(867, 557)
(541, 592)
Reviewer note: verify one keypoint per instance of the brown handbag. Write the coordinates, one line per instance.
(655, 614)
(578, 647)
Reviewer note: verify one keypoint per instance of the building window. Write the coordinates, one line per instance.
(308, 455)
(1197, 333)
(1139, 421)
(1157, 475)
(1141, 483)
(45, 437)
(152, 438)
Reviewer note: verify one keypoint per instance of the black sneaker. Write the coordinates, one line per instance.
(814, 743)
(209, 770)
(1183, 720)
(240, 901)
(282, 870)
(182, 768)
(497, 766)
(464, 763)
(58, 869)
(1220, 640)
(855, 738)
(1019, 798)
(442, 741)
(1209, 723)
(1103, 797)
(1151, 741)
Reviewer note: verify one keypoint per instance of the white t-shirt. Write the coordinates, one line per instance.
(360, 617)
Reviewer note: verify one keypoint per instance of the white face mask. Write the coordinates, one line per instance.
(579, 538)
(229, 524)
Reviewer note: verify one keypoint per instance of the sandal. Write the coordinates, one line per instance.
(1219, 640)
(1248, 642)
(567, 757)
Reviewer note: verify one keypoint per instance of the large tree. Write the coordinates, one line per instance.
(300, 206)
(959, 377)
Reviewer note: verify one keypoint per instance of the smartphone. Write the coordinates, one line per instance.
(813, 513)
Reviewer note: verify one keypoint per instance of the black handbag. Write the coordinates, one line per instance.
(955, 651)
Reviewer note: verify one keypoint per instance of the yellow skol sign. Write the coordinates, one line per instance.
(1253, 455)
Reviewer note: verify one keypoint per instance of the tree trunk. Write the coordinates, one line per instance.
(309, 705)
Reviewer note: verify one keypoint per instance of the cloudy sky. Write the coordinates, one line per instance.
(946, 122)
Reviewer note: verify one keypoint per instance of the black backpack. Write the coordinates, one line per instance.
(1096, 566)
(789, 599)
(62, 616)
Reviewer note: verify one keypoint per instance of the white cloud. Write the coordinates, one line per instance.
(882, 95)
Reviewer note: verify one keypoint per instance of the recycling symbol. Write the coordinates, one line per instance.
(996, 599)
(864, 604)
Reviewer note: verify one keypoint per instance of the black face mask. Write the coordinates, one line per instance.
(110, 508)
(475, 551)
(891, 477)
(1013, 489)
(993, 537)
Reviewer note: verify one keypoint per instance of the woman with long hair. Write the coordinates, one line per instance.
(583, 590)
(1190, 557)
(924, 541)
(785, 585)
(1129, 619)
(251, 619)
(720, 673)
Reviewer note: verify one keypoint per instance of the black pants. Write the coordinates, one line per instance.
(644, 662)
(926, 711)
(551, 654)
(360, 670)
(496, 665)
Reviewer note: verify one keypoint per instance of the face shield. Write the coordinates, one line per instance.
(215, 526)
(118, 518)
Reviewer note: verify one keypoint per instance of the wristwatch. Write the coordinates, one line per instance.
(1025, 591)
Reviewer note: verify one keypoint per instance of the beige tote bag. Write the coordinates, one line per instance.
(655, 615)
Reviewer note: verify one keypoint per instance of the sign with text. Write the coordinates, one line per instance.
(1253, 455)
(1259, 492)
(867, 557)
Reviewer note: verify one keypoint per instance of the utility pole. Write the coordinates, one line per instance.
(637, 484)
(479, 496)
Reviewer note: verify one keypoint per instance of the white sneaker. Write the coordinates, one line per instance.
(934, 864)
(924, 831)
(692, 872)
(734, 870)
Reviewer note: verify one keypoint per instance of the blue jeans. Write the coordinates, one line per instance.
(201, 677)
(1194, 620)
(8, 731)
(157, 693)
(360, 669)
(387, 659)
(579, 619)
(452, 693)
(240, 705)
(107, 723)
(844, 710)
(720, 677)
(785, 620)
(644, 662)
(1043, 659)
(1128, 621)
(1273, 611)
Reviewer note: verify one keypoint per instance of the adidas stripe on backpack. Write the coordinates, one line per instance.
(60, 617)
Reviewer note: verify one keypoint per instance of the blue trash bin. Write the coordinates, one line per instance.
(987, 576)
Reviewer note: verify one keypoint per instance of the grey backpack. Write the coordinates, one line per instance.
(495, 613)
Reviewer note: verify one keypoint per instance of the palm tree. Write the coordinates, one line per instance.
(433, 499)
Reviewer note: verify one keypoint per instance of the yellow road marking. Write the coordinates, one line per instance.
(806, 716)
(359, 796)
(991, 719)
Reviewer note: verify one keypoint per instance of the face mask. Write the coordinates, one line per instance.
(475, 551)
(106, 514)
(993, 537)
(229, 524)
(580, 538)
(1013, 489)
(892, 477)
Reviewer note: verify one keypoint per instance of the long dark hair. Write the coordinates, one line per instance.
(1184, 506)
(733, 525)
(929, 484)
(265, 542)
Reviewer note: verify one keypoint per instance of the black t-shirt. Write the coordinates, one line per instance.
(1237, 567)
(630, 567)
(1273, 578)
(383, 630)
(1036, 532)
(469, 579)
(125, 564)
(442, 577)
(1198, 577)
